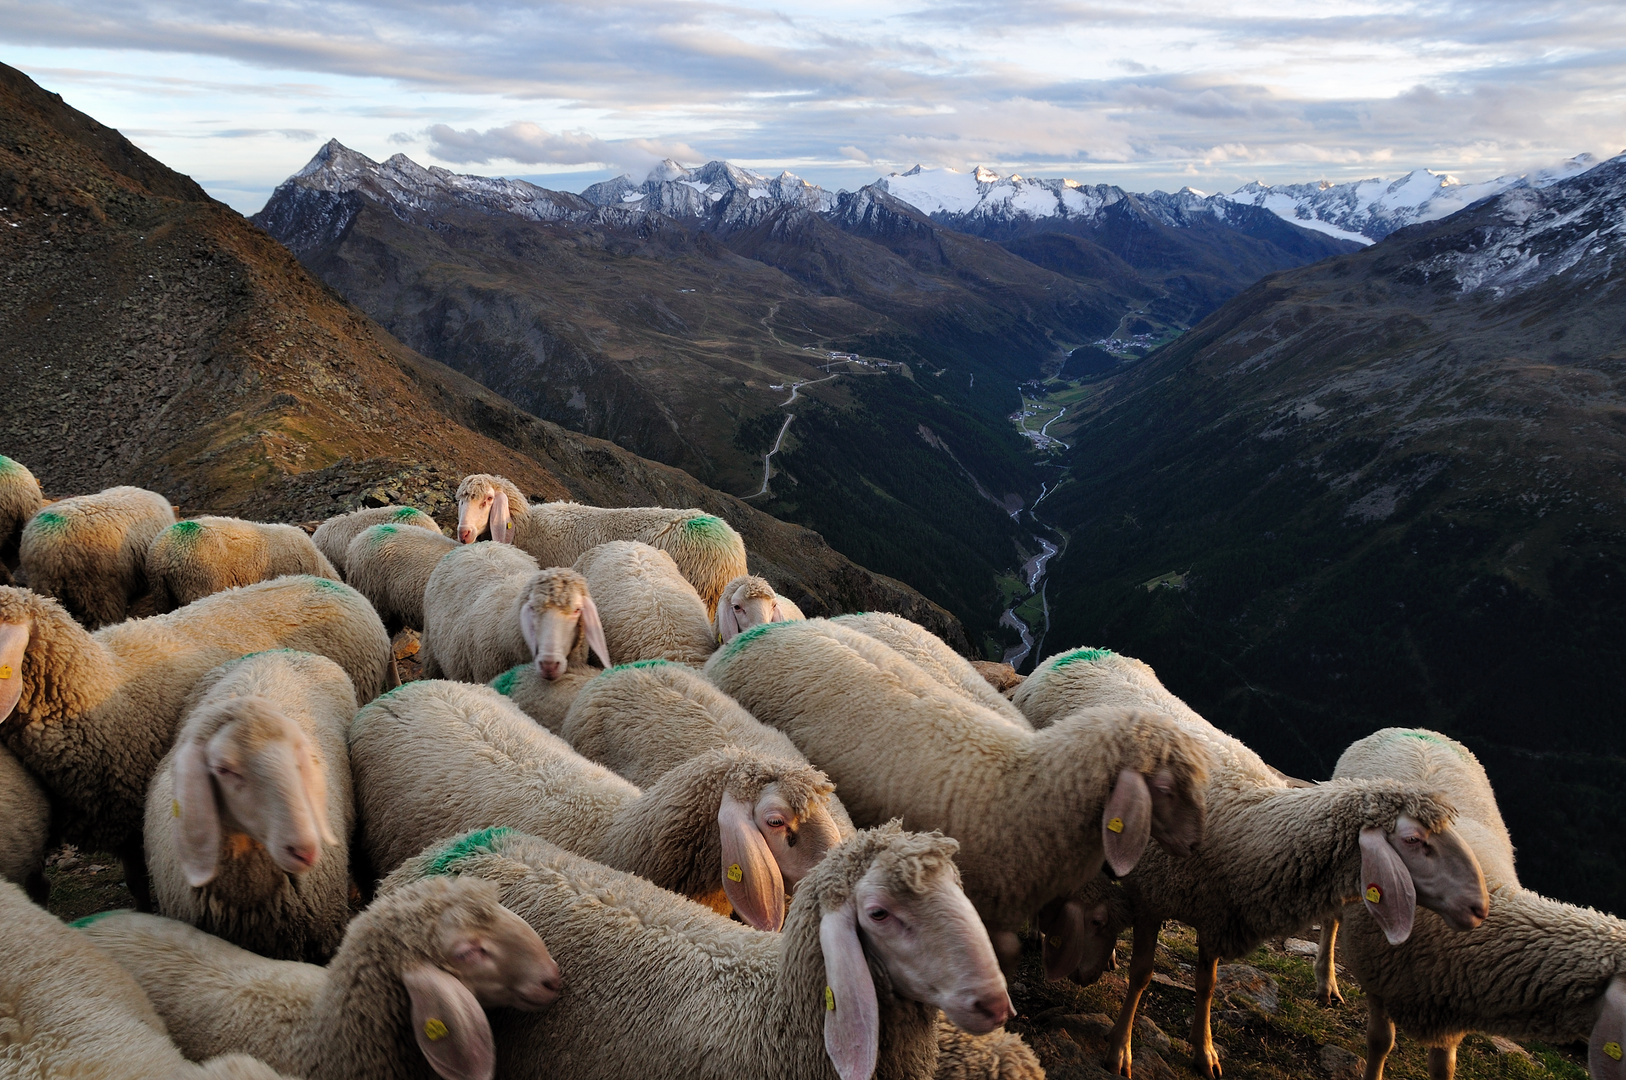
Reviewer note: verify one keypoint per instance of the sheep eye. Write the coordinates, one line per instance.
(776, 822)
(879, 914)
(739, 609)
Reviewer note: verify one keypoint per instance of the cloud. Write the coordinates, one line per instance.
(528, 144)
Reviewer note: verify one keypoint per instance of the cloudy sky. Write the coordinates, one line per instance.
(1144, 93)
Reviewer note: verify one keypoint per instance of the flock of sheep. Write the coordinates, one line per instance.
(741, 844)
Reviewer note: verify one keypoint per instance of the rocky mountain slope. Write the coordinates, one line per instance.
(1388, 489)
(150, 335)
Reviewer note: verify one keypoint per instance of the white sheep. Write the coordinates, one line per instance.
(488, 607)
(647, 608)
(334, 536)
(1537, 968)
(202, 556)
(90, 551)
(20, 499)
(1276, 856)
(936, 659)
(249, 815)
(643, 720)
(1034, 812)
(71, 1011)
(706, 549)
(27, 814)
(408, 987)
(689, 993)
(390, 565)
(90, 715)
(544, 700)
(728, 827)
(749, 601)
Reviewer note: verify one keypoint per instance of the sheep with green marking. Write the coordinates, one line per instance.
(205, 555)
(729, 827)
(90, 551)
(390, 565)
(749, 601)
(72, 1011)
(20, 499)
(708, 552)
(91, 715)
(334, 536)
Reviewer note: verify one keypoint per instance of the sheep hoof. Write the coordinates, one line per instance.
(1330, 998)
(1206, 1062)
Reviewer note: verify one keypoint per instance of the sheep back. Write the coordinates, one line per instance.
(471, 628)
(251, 902)
(90, 551)
(390, 565)
(334, 536)
(20, 499)
(935, 658)
(205, 555)
(27, 814)
(546, 701)
(648, 608)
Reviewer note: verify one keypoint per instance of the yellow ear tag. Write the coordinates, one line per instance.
(5, 671)
(735, 873)
(1612, 1049)
(509, 525)
(829, 1000)
(434, 1030)
(1115, 825)
(1374, 895)
(174, 808)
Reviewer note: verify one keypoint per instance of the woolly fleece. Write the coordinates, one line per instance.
(90, 552)
(935, 658)
(334, 536)
(205, 555)
(648, 610)
(390, 565)
(20, 499)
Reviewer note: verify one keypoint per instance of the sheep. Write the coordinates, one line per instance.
(202, 556)
(1034, 812)
(334, 536)
(879, 937)
(390, 565)
(749, 601)
(71, 1011)
(1537, 968)
(27, 814)
(20, 499)
(729, 827)
(1276, 856)
(647, 609)
(488, 607)
(643, 720)
(546, 701)
(249, 815)
(935, 658)
(90, 715)
(706, 549)
(90, 552)
(408, 987)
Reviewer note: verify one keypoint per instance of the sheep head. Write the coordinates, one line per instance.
(1410, 856)
(560, 622)
(486, 502)
(747, 601)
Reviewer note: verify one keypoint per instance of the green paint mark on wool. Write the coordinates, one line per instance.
(476, 843)
(329, 584)
(80, 924)
(745, 638)
(706, 527)
(1429, 737)
(49, 520)
(1077, 656)
(183, 531)
(382, 533)
(8, 465)
(630, 664)
(504, 683)
(406, 513)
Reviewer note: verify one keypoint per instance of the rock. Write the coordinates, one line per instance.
(1340, 1064)
(1249, 984)
(405, 644)
(1147, 1031)
(1300, 947)
(1149, 1065)
(1508, 1046)
(1165, 980)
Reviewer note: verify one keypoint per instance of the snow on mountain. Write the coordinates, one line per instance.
(676, 191)
(1369, 210)
(985, 194)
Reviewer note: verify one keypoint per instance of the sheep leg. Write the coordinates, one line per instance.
(1380, 1037)
(134, 860)
(1203, 1055)
(1442, 1062)
(1326, 973)
(1140, 977)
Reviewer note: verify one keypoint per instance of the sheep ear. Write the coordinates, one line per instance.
(1062, 924)
(314, 781)
(198, 829)
(773, 614)
(1126, 822)
(750, 875)
(451, 1028)
(852, 1016)
(595, 632)
(728, 627)
(1386, 886)
(13, 646)
(502, 529)
(1604, 1048)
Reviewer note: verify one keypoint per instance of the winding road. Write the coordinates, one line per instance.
(767, 459)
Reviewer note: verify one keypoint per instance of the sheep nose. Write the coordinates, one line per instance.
(465, 535)
(302, 855)
(1479, 910)
(996, 1007)
(551, 669)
